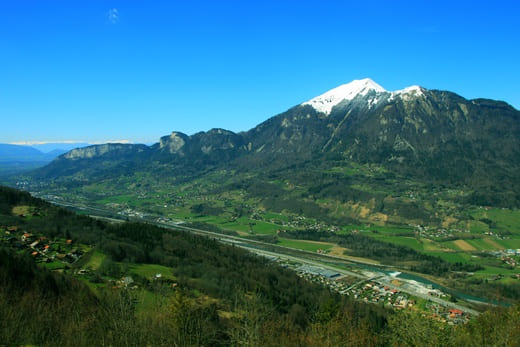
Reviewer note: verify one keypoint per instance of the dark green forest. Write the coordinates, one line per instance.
(223, 296)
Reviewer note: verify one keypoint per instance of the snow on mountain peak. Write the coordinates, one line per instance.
(410, 90)
(325, 102)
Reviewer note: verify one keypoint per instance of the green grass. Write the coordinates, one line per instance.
(259, 227)
(509, 243)
(450, 245)
(150, 270)
(481, 245)
(272, 215)
(147, 301)
(505, 219)
(305, 245)
(55, 265)
(118, 199)
(95, 260)
(478, 227)
(493, 270)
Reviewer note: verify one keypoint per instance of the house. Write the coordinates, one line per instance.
(34, 244)
(456, 312)
(26, 237)
(127, 280)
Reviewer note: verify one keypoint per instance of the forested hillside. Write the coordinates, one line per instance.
(218, 295)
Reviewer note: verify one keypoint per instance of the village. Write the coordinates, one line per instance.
(388, 292)
(57, 253)
(510, 257)
(63, 254)
(370, 291)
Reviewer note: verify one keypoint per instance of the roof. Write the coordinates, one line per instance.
(456, 311)
(317, 271)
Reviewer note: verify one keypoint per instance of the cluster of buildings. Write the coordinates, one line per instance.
(364, 290)
(450, 316)
(370, 291)
(41, 248)
(128, 212)
(509, 256)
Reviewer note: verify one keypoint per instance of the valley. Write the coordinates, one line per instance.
(329, 270)
(470, 266)
(383, 201)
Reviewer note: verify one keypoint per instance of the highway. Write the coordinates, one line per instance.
(380, 279)
(296, 255)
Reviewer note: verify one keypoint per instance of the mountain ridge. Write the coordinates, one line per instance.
(430, 135)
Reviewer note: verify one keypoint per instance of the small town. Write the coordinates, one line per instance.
(375, 293)
(57, 253)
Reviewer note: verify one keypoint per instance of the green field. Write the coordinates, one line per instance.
(95, 260)
(305, 245)
(510, 243)
(453, 257)
(246, 224)
(505, 219)
(150, 270)
(493, 270)
(55, 265)
(482, 245)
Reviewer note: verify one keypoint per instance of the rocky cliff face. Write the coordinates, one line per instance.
(103, 150)
(174, 143)
(426, 134)
(433, 134)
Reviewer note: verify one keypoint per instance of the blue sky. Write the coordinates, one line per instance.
(92, 70)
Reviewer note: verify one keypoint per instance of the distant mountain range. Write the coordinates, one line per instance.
(19, 158)
(429, 136)
(36, 152)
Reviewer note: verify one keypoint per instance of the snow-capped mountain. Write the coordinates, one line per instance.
(431, 135)
(348, 92)
(326, 101)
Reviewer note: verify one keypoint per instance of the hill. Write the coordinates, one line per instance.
(367, 144)
(215, 294)
(424, 179)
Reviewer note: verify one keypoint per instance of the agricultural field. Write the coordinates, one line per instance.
(305, 245)
(460, 235)
(500, 219)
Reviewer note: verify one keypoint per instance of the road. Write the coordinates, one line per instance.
(380, 279)
(300, 256)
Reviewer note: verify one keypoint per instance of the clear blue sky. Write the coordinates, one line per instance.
(92, 70)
